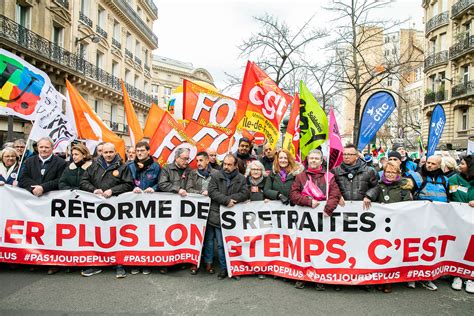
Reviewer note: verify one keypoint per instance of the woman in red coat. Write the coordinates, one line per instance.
(318, 176)
(300, 196)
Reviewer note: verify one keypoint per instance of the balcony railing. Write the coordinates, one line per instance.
(437, 21)
(461, 47)
(128, 53)
(138, 60)
(153, 7)
(85, 19)
(146, 67)
(436, 59)
(433, 97)
(463, 89)
(34, 43)
(101, 31)
(459, 7)
(63, 3)
(116, 43)
(125, 7)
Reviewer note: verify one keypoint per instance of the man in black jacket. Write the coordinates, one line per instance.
(244, 154)
(355, 179)
(41, 173)
(268, 158)
(107, 177)
(228, 187)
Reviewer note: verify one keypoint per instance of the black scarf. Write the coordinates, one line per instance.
(79, 164)
(352, 169)
(205, 172)
(229, 176)
(143, 165)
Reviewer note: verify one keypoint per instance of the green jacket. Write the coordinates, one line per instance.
(460, 189)
(397, 192)
(274, 185)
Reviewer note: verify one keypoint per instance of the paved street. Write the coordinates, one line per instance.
(24, 292)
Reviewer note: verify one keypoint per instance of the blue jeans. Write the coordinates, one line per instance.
(211, 233)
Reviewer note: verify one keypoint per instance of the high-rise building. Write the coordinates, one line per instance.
(93, 44)
(449, 68)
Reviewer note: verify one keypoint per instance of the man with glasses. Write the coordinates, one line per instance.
(356, 180)
(173, 178)
(396, 157)
(20, 147)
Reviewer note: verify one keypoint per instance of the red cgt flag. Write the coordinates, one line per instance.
(291, 141)
(267, 103)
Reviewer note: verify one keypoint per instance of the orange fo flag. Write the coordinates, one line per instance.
(154, 117)
(88, 123)
(134, 129)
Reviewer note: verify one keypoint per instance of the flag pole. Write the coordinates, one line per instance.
(327, 160)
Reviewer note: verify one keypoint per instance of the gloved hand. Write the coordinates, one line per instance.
(285, 200)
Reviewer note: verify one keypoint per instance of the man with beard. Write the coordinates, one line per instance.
(243, 154)
(197, 182)
(228, 187)
(145, 174)
(107, 177)
(435, 185)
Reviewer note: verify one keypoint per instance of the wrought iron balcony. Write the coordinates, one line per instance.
(135, 18)
(63, 3)
(85, 19)
(152, 6)
(460, 7)
(33, 43)
(461, 47)
(463, 89)
(432, 97)
(436, 59)
(128, 53)
(138, 60)
(101, 31)
(116, 43)
(146, 67)
(437, 21)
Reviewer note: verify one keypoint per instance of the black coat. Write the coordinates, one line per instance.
(31, 173)
(72, 175)
(116, 177)
(358, 184)
(220, 194)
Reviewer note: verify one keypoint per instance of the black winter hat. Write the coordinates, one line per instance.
(395, 154)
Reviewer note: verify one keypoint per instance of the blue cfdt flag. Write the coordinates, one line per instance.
(376, 111)
(437, 122)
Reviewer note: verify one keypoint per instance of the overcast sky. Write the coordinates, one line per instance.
(207, 32)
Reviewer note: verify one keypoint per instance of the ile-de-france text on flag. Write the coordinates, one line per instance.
(51, 122)
(376, 111)
(335, 143)
(313, 122)
(212, 109)
(23, 87)
(437, 123)
(267, 104)
(134, 129)
(291, 142)
(169, 136)
(89, 125)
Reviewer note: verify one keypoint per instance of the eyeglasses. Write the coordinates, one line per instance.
(252, 169)
(390, 172)
(184, 158)
(347, 154)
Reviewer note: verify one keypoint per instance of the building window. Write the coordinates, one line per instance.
(136, 81)
(465, 74)
(145, 56)
(115, 69)
(138, 50)
(101, 18)
(117, 31)
(58, 35)
(154, 90)
(389, 81)
(465, 119)
(442, 42)
(99, 60)
(23, 15)
(85, 5)
(98, 107)
(83, 50)
(127, 76)
(145, 87)
(113, 113)
(167, 91)
(129, 41)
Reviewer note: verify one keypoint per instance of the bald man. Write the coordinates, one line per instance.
(213, 162)
(435, 185)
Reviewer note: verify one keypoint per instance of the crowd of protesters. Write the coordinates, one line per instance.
(240, 177)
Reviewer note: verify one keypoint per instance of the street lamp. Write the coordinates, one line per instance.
(95, 38)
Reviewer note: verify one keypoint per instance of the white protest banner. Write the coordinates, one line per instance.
(78, 228)
(398, 242)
